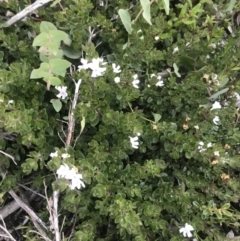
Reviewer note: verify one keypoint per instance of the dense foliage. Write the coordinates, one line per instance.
(186, 169)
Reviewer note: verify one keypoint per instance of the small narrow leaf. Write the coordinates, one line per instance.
(215, 96)
(57, 104)
(83, 122)
(126, 19)
(176, 70)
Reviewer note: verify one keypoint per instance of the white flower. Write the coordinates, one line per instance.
(65, 155)
(209, 145)
(63, 171)
(10, 102)
(156, 38)
(77, 182)
(95, 67)
(187, 230)
(135, 81)
(54, 154)
(175, 50)
(216, 105)
(216, 153)
(62, 92)
(84, 64)
(134, 141)
(70, 174)
(116, 69)
(196, 127)
(152, 75)
(200, 147)
(160, 83)
(117, 80)
(216, 120)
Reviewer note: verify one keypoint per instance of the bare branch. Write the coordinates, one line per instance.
(71, 119)
(8, 155)
(29, 9)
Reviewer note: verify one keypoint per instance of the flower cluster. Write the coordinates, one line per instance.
(71, 174)
(201, 144)
(116, 69)
(95, 66)
(160, 82)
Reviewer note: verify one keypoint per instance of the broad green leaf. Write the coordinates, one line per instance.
(59, 66)
(53, 47)
(126, 19)
(231, 5)
(166, 6)
(57, 104)
(46, 27)
(38, 74)
(58, 35)
(41, 39)
(71, 53)
(176, 70)
(54, 81)
(215, 96)
(146, 10)
(157, 117)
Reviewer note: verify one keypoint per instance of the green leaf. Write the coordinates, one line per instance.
(54, 80)
(231, 5)
(83, 122)
(1, 56)
(215, 96)
(45, 27)
(53, 47)
(39, 73)
(227, 213)
(58, 35)
(157, 117)
(176, 70)
(59, 66)
(41, 39)
(71, 53)
(226, 206)
(126, 19)
(166, 6)
(219, 214)
(146, 10)
(57, 104)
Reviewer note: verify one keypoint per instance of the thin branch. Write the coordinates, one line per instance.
(35, 219)
(55, 215)
(8, 155)
(29, 9)
(4, 228)
(71, 119)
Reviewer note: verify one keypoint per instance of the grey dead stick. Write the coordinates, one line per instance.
(29, 9)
